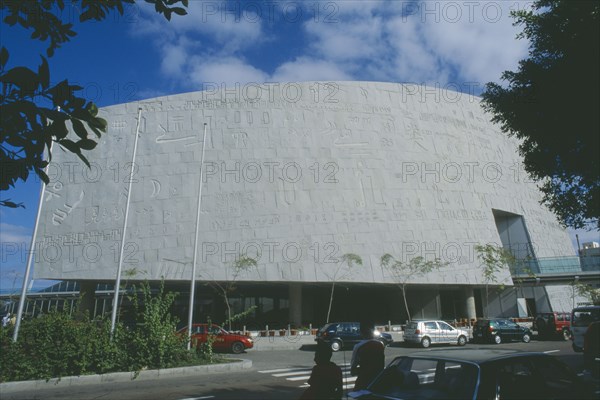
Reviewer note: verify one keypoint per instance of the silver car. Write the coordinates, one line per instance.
(429, 332)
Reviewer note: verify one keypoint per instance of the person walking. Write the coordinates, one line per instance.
(368, 358)
(326, 377)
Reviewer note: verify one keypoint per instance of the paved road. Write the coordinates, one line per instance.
(275, 375)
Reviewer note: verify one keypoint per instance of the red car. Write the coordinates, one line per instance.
(224, 341)
(553, 324)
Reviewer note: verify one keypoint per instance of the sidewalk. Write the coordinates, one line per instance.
(68, 381)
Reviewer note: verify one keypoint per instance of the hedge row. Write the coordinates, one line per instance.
(57, 344)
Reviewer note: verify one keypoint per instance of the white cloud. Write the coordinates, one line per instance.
(228, 71)
(16, 234)
(360, 39)
(231, 32)
(412, 60)
(307, 69)
(174, 56)
(480, 46)
(431, 42)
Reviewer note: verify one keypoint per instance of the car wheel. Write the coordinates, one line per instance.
(497, 339)
(566, 334)
(237, 348)
(462, 340)
(425, 342)
(526, 338)
(336, 345)
(383, 342)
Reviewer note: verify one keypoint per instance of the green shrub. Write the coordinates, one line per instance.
(152, 342)
(54, 345)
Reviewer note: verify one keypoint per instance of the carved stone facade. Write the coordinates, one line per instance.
(295, 175)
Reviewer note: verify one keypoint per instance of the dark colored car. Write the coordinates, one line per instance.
(498, 330)
(476, 374)
(553, 325)
(343, 334)
(223, 340)
(591, 349)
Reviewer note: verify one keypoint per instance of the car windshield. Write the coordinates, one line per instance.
(420, 378)
(585, 316)
(445, 326)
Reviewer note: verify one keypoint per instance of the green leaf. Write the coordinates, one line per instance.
(20, 76)
(82, 158)
(70, 145)
(79, 128)
(179, 10)
(99, 123)
(59, 129)
(10, 19)
(10, 204)
(3, 57)
(86, 144)
(92, 109)
(42, 174)
(44, 74)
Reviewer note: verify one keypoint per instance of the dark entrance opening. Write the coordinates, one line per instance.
(515, 237)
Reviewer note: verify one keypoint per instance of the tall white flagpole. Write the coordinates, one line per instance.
(30, 255)
(193, 280)
(123, 234)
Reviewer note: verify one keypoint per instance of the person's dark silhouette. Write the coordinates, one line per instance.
(326, 377)
(368, 358)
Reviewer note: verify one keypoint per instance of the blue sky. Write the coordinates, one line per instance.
(454, 45)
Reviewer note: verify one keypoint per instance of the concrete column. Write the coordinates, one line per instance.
(295, 311)
(470, 303)
(87, 297)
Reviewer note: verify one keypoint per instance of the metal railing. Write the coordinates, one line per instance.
(556, 265)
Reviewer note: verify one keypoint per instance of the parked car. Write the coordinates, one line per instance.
(223, 340)
(581, 318)
(591, 349)
(343, 334)
(469, 373)
(498, 330)
(553, 324)
(429, 332)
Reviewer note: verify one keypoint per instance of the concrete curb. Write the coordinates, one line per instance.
(69, 381)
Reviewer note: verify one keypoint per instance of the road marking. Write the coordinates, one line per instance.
(300, 372)
(348, 383)
(551, 351)
(298, 378)
(303, 374)
(280, 370)
(199, 398)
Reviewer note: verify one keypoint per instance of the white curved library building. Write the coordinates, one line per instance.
(295, 176)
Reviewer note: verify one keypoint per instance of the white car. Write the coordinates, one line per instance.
(581, 318)
(426, 333)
